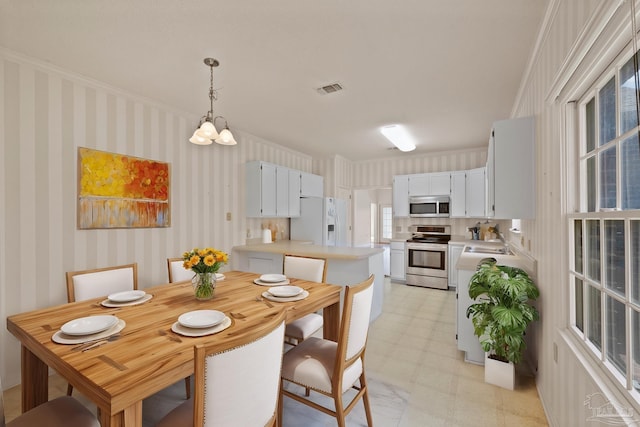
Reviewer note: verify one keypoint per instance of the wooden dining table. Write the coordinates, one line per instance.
(148, 356)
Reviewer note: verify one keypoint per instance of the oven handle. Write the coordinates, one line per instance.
(427, 246)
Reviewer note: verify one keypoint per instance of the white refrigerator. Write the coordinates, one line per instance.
(322, 220)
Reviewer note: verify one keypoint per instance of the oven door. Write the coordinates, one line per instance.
(426, 259)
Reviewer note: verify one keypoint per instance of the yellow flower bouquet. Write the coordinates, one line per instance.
(205, 263)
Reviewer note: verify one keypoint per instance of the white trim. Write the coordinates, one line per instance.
(593, 31)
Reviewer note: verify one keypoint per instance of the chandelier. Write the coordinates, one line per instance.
(207, 132)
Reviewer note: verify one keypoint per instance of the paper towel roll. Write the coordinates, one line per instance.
(266, 236)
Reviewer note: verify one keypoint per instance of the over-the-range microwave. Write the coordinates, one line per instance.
(429, 206)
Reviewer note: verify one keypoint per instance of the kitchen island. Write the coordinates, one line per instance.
(345, 265)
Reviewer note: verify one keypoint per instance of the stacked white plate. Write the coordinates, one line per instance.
(285, 291)
(88, 328)
(272, 280)
(88, 325)
(125, 298)
(201, 318)
(201, 322)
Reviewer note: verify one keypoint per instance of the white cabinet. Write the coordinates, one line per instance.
(294, 193)
(430, 184)
(511, 169)
(455, 249)
(440, 184)
(401, 196)
(311, 185)
(419, 184)
(476, 193)
(467, 340)
(397, 272)
(458, 208)
(271, 191)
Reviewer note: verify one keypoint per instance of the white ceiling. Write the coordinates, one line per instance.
(444, 68)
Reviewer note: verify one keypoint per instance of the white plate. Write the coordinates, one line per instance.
(201, 318)
(61, 338)
(189, 332)
(300, 296)
(89, 325)
(108, 303)
(126, 296)
(219, 276)
(261, 283)
(285, 291)
(273, 278)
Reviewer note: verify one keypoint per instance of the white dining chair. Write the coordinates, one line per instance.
(63, 411)
(333, 368)
(236, 383)
(176, 271)
(88, 284)
(305, 268)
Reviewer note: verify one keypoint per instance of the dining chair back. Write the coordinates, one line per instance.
(177, 273)
(332, 368)
(305, 268)
(236, 383)
(60, 412)
(88, 284)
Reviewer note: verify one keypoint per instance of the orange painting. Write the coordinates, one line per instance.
(119, 191)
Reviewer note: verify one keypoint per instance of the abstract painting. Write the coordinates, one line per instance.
(120, 191)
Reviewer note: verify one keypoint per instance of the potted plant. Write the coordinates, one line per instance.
(500, 317)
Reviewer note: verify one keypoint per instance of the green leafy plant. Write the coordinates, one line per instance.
(502, 310)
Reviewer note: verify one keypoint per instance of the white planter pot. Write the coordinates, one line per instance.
(499, 373)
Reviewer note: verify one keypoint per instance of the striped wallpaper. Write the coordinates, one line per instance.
(46, 113)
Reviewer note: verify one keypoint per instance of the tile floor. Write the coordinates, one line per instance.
(416, 375)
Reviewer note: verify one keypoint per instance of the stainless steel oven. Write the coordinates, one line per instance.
(427, 253)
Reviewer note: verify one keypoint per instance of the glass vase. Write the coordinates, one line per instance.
(204, 285)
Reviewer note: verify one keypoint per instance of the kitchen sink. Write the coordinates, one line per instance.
(487, 250)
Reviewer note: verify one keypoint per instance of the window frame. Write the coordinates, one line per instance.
(577, 174)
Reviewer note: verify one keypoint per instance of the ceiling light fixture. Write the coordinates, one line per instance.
(207, 132)
(399, 137)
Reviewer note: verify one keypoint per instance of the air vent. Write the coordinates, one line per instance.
(325, 90)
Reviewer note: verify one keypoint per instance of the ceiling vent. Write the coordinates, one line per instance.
(325, 90)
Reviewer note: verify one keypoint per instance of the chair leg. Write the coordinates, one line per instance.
(339, 410)
(280, 403)
(187, 386)
(365, 400)
(69, 389)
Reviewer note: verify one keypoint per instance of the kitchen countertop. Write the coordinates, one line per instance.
(470, 260)
(298, 248)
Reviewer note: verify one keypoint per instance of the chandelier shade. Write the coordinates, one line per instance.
(207, 133)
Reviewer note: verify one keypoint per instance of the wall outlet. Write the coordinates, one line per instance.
(522, 241)
(248, 233)
(555, 352)
(228, 216)
(529, 245)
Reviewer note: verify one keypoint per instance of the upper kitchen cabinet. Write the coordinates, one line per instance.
(271, 191)
(401, 196)
(430, 184)
(458, 207)
(511, 170)
(476, 193)
(311, 185)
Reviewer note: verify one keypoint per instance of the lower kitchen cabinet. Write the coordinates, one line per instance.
(467, 340)
(455, 249)
(397, 261)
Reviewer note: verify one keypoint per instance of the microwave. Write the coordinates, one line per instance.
(429, 206)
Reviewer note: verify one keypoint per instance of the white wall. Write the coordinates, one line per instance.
(45, 114)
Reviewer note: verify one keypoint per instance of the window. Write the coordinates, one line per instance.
(605, 234)
(387, 220)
